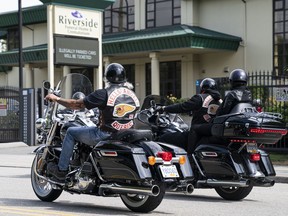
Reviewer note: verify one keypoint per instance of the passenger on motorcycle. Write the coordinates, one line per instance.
(203, 107)
(118, 105)
(239, 92)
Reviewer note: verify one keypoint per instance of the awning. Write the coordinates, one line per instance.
(33, 54)
(170, 37)
(156, 39)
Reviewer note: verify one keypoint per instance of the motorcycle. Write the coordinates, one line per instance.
(236, 162)
(128, 164)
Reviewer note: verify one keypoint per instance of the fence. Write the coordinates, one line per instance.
(9, 118)
(272, 91)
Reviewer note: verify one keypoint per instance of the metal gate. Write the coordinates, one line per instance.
(273, 94)
(9, 114)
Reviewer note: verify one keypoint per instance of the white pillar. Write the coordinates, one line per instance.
(155, 73)
(106, 61)
(29, 78)
(190, 12)
(66, 70)
(50, 44)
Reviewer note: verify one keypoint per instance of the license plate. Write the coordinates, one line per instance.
(169, 171)
(252, 148)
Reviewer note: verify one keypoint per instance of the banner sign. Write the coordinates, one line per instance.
(281, 94)
(77, 22)
(76, 51)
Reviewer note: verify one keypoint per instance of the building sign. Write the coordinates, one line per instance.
(76, 51)
(77, 22)
(3, 107)
(281, 94)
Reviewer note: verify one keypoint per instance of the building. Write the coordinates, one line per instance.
(165, 45)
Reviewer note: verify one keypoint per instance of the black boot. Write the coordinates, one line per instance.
(53, 170)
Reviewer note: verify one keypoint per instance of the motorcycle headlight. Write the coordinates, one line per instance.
(40, 123)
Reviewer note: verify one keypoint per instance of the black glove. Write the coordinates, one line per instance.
(159, 109)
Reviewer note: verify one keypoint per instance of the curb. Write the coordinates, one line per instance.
(13, 145)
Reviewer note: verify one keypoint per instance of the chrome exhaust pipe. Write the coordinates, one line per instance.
(154, 190)
(189, 189)
(220, 183)
(263, 182)
(184, 188)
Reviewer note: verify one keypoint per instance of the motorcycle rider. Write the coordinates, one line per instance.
(239, 92)
(203, 107)
(118, 105)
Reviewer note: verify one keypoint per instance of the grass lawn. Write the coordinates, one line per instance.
(279, 158)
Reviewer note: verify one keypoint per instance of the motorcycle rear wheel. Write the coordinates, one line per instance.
(143, 203)
(234, 193)
(43, 189)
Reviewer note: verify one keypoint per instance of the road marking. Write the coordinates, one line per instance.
(22, 211)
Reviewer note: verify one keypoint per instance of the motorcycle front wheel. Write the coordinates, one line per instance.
(43, 189)
(143, 203)
(234, 193)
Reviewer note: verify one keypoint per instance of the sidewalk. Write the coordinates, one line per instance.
(281, 171)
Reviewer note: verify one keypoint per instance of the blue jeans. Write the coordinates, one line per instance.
(87, 135)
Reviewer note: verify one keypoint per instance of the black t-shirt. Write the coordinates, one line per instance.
(97, 98)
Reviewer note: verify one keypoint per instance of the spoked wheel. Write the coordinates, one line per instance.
(43, 189)
(143, 203)
(234, 193)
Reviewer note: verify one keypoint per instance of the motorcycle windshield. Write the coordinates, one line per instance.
(159, 101)
(73, 83)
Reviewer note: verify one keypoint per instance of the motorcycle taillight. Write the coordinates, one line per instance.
(166, 156)
(262, 131)
(255, 157)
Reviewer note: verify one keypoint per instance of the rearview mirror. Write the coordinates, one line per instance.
(46, 85)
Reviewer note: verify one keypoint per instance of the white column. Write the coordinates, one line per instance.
(29, 78)
(140, 15)
(155, 73)
(66, 70)
(190, 12)
(50, 44)
(106, 62)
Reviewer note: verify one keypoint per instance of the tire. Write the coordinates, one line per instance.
(43, 189)
(143, 203)
(234, 193)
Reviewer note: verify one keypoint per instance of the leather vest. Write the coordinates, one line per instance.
(208, 110)
(121, 107)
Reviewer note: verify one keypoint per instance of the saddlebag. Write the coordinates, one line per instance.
(121, 160)
(216, 161)
(266, 164)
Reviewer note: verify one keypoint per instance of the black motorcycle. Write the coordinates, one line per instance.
(234, 162)
(128, 164)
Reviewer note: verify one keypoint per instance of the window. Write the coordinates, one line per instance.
(162, 13)
(280, 41)
(119, 17)
(13, 39)
(170, 78)
(130, 73)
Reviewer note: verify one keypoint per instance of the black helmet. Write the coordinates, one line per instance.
(238, 77)
(115, 73)
(78, 95)
(208, 83)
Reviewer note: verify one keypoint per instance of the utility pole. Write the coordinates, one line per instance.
(21, 105)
